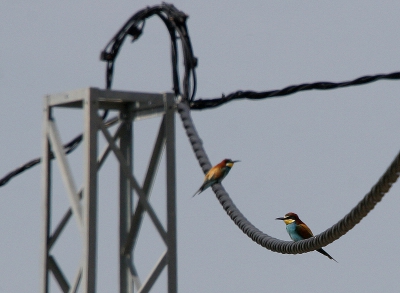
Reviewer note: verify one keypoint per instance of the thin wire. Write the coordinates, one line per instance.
(202, 104)
(68, 147)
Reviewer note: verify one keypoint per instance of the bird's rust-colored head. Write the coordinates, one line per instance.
(290, 218)
(228, 163)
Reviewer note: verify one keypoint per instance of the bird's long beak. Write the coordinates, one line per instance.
(281, 218)
(236, 161)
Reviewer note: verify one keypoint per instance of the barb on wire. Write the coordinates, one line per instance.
(201, 104)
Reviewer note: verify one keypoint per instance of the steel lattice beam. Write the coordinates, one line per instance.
(83, 202)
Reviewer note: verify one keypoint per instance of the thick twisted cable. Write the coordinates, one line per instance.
(201, 104)
(289, 247)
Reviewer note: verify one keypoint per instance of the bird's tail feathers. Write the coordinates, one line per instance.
(197, 192)
(326, 254)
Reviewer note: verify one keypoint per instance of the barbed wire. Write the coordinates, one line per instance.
(201, 104)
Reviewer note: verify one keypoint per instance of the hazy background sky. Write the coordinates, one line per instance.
(316, 153)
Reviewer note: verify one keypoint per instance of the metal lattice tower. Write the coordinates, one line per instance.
(83, 202)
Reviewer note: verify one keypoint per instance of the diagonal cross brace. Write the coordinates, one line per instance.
(135, 276)
(137, 216)
(53, 238)
(135, 184)
(77, 280)
(65, 170)
(58, 275)
(162, 262)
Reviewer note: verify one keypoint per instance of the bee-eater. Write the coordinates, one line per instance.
(216, 174)
(298, 230)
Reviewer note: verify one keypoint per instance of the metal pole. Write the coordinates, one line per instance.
(90, 107)
(125, 202)
(46, 202)
(171, 193)
(83, 203)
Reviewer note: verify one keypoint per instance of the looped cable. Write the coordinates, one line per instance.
(175, 21)
(289, 247)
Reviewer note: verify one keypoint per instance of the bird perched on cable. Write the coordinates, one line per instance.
(298, 230)
(216, 174)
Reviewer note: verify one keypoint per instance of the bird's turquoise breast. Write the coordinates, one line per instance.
(291, 229)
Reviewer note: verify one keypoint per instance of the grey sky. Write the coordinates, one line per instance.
(314, 153)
